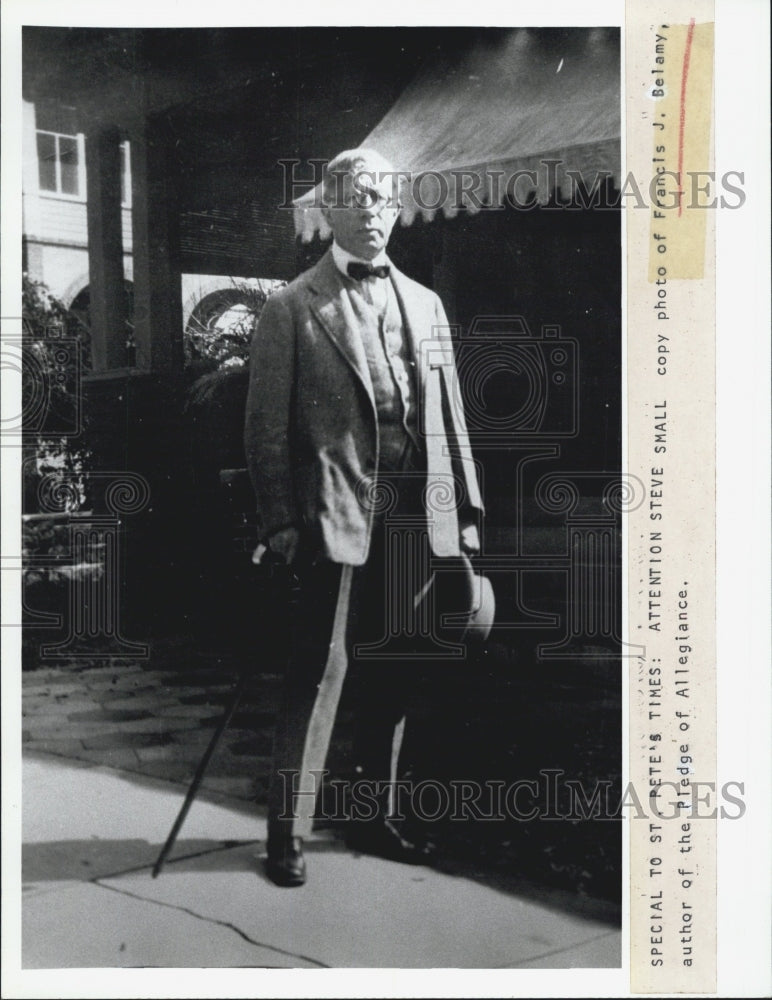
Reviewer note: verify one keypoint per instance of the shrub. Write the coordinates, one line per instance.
(56, 349)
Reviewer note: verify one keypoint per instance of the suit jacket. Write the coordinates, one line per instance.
(311, 431)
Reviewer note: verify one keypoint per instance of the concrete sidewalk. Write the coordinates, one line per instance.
(90, 837)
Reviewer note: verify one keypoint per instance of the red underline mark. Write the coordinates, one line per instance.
(682, 110)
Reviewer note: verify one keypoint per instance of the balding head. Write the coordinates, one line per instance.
(361, 201)
(367, 170)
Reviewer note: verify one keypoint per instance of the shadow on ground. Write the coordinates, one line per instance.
(494, 720)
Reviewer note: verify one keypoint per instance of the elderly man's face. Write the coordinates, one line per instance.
(363, 211)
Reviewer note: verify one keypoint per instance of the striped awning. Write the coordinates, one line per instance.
(517, 116)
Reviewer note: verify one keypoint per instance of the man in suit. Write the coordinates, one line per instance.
(354, 431)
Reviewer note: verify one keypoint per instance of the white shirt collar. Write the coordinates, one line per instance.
(343, 258)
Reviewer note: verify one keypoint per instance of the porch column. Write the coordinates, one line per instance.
(108, 302)
(157, 274)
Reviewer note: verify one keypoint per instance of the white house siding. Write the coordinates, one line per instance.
(56, 233)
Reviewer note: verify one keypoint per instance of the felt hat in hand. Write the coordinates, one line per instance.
(462, 602)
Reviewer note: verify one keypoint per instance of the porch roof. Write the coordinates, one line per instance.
(509, 102)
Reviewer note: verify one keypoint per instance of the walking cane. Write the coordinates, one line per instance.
(238, 691)
(271, 573)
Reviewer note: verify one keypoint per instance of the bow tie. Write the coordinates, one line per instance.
(359, 271)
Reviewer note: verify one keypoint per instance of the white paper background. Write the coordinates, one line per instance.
(743, 445)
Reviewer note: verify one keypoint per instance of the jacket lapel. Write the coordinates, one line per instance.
(333, 310)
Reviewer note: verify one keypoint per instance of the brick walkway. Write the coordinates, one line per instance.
(152, 722)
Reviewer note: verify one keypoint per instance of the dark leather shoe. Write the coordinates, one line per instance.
(285, 864)
(382, 839)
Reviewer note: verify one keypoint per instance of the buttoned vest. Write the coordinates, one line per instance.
(393, 376)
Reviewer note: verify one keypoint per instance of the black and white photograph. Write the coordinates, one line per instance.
(320, 453)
